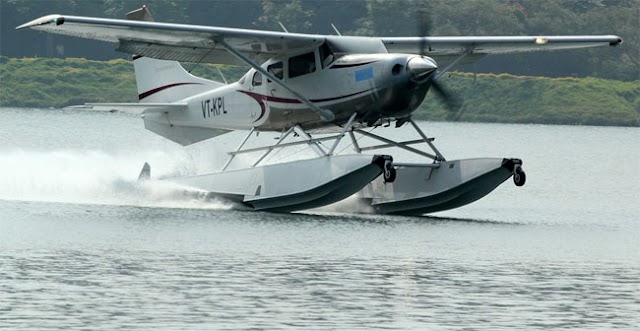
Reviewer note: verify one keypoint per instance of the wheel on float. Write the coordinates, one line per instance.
(389, 174)
(519, 177)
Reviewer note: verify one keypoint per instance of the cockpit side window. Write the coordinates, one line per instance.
(257, 79)
(326, 55)
(277, 69)
(302, 64)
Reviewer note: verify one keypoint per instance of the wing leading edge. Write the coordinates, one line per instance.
(180, 42)
(445, 46)
(197, 43)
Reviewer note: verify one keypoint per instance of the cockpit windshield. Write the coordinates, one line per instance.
(326, 55)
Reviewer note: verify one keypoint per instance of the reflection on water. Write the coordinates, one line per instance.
(110, 290)
(68, 266)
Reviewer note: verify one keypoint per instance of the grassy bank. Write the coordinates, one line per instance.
(41, 82)
(517, 99)
(47, 82)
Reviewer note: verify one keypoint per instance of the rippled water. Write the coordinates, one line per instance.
(83, 247)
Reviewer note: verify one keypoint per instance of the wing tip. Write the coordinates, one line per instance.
(619, 41)
(44, 20)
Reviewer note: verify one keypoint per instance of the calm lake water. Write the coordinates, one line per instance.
(82, 246)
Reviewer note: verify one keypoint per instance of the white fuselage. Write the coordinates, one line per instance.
(375, 86)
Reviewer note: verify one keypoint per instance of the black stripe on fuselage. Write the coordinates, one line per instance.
(350, 65)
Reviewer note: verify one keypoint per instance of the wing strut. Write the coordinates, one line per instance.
(325, 114)
(454, 63)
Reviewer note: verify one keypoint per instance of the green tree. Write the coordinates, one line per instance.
(389, 18)
(623, 62)
(481, 17)
(291, 14)
(162, 10)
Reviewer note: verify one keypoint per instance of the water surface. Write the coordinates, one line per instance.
(82, 246)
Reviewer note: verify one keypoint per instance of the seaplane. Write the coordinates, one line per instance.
(314, 90)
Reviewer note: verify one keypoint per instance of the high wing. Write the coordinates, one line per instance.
(179, 42)
(444, 46)
(447, 49)
(197, 43)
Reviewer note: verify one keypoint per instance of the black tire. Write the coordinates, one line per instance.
(389, 173)
(390, 176)
(519, 177)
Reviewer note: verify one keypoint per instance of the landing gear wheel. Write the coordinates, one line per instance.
(519, 177)
(389, 172)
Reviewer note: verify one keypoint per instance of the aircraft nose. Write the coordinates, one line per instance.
(421, 68)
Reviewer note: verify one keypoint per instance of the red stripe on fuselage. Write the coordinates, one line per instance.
(288, 100)
(261, 98)
(162, 88)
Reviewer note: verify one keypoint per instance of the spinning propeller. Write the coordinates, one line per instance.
(452, 102)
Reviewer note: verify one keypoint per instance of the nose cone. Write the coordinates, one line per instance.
(421, 68)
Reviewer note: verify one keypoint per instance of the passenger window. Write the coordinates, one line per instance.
(302, 65)
(257, 79)
(276, 69)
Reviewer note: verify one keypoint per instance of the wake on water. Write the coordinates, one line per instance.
(95, 177)
(90, 166)
(98, 177)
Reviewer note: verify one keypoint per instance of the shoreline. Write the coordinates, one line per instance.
(490, 98)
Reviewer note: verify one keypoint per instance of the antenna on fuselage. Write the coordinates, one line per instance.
(283, 28)
(336, 29)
